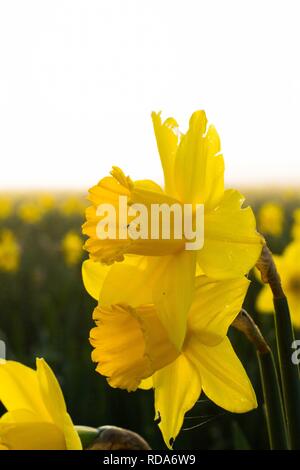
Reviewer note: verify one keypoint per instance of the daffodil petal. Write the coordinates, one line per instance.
(55, 403)
(19, 389)
(148, 185)
(199, 169)
(167, 282)
(19, 416)
(224, 379)
(167, 142)
(50, 391)
(129, 282)
(173, 294)
(177, 388)
(215, 306)
(213, 189)
(93, 275)
(231, 243)
(32, 436)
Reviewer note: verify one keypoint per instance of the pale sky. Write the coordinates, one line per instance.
(79, 79)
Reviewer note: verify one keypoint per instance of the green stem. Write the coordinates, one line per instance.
(273, 402)
(269, 378)
(289, 371)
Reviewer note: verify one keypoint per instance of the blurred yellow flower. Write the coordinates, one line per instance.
(30, 212)
(72, 248)
(46, 201)
(296, 216)
(290, 194)
(132, 348)
(73, 205)
(270, 219)
(289, 270)
(36, 417)
(194, 173)
(296, 226)
(6, 207)
(9, 251)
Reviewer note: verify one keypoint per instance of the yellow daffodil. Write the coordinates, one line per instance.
(30, 212)
(296, 216)
(296, 225)
(132, 347)
(271, 219)
(46, 201)
(9, 251)
(73, 205)
(36, 417)
(296, 231)
(194, 174)
(72, 248)
(289, 270)
(6, 207)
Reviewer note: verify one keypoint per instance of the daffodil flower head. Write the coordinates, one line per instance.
(73, 205)
(133, 348)
(271, 219)
(289, 271)
(194, 174)
(30, 212)
(296, 225)
(193, 169)
(6, 207)
(36, 417)
(46, 201)
(9, 251)
(72, 248)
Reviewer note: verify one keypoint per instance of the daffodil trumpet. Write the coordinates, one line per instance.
(167, 221)
(289, 371)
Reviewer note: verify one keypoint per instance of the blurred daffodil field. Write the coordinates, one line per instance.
(149, 228)
(46, 312)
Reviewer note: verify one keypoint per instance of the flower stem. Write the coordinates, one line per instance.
(269, 378)
(289, 371)
(273, 402)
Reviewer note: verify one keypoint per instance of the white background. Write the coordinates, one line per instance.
(79, 79)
